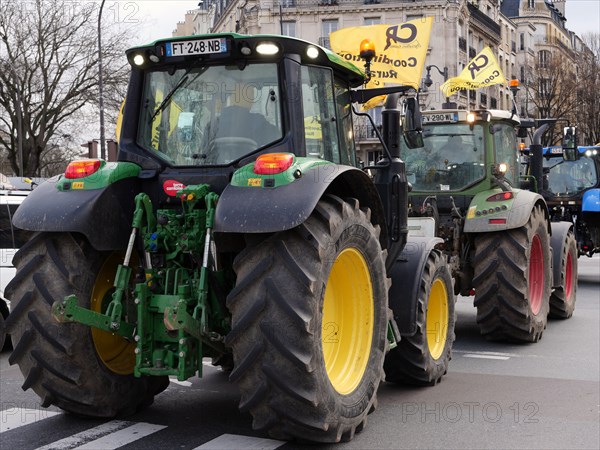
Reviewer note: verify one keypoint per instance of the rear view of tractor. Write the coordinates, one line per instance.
(235, 226)
(499, 239)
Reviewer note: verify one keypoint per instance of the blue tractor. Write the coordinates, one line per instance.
(571, 187)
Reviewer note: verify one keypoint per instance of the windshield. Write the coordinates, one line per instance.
(567, 178)
(452, 158)
(210, 115)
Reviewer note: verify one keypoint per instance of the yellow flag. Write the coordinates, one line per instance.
(401, 49)
(173, 118)
(375, 101)
(482, 71)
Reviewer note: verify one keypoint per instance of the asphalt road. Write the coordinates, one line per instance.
(544, 395)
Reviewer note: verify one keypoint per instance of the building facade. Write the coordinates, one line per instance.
(514, 29)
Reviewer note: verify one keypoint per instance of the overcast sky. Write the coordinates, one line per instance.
(157, 19)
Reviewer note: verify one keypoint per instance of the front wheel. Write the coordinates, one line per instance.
(309, 321)
(81, 370)
(562, 300)
(423, 358)
(512, 281)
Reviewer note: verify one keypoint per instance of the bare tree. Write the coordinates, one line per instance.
(552, 90)
(49, 75)
(588, 100)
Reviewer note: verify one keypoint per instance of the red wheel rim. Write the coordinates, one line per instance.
(569, 278)
(536, 275)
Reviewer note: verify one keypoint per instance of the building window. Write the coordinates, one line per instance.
(522, 41)
(410, 17)
(544, 58)
(287, 3)
(288, 28)
(327, 27)
(531, 4)
(522, 77)
(372, 20)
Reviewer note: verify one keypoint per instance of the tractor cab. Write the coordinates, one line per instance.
(462, 150)
(210, 104)
(569, 178)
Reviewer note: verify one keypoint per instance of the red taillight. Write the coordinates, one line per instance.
(82, 168)
(273, 163)
(497, 221)
(502, 196)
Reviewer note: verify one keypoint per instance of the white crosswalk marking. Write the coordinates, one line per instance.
(12, 418)
(122, 437)
(229, 441)
(118, 433)
(87, 435)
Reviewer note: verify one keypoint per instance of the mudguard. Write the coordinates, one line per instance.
(251, 207)
(406, 275)
(591, 201)
(103, 215)
(515, 211)
(557, 241)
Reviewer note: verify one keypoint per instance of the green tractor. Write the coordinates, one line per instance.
(235, 226)
(500, 241)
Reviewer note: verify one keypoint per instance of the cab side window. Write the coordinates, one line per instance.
(320, 122)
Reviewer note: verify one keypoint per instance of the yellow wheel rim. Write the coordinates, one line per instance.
(348, 317)
(115, 352)
(437, 318)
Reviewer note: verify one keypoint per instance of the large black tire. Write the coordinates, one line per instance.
(59, 360)
(283, 332)
(422, 359)
(512, 281)
(562, 300)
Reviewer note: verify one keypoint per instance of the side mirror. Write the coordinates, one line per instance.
(570, 154)
(570, 138)
(413, 124)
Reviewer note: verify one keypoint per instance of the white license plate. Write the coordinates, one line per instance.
(198, 47)
(444, 117)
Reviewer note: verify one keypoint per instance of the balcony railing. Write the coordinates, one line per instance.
(365, 132)
(484, 20)
(324, 42)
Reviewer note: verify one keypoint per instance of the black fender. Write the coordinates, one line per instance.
(557, 241)
(269, 210)
(406, 275)
(102, 215)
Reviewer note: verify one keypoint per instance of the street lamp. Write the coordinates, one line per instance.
(18, 111)
(101, 85)
(429, 82)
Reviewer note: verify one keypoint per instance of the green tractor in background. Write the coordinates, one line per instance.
(500, 241)
(256, 242)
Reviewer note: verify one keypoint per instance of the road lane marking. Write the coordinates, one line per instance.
(122, 437)
(12, 418)
(229, 441)
(181, 383)
(87, 435)
(476, 355)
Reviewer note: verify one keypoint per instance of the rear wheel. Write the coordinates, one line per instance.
(562, 300)
(423, 358)
(512, 281)
(310, 315)
(79, 369)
